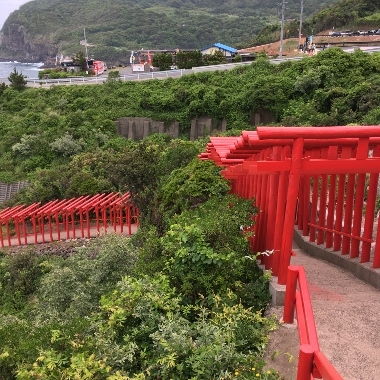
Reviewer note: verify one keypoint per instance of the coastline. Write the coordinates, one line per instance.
(22, 61)
(29, 69)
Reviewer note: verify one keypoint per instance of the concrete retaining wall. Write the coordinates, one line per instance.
(7, 190)
(205, 126)
(137, 128)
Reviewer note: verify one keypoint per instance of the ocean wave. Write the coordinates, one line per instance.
(30, 70)
(37, 64)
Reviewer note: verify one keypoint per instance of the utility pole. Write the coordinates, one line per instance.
(282, 26)
(85, 42)
(300, 31)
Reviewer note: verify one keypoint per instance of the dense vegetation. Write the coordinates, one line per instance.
(71, 127)
(182, 299)
(348, 15)
(343, 14)
(117, 26)
(159, 305)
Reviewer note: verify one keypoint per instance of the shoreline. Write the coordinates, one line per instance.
(10, 60)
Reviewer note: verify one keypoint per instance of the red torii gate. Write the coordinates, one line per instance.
(295, 176)
(271, 163)
(82, 216)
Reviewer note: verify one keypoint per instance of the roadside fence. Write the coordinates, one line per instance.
(142, 75)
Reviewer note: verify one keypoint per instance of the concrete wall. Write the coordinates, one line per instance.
(262, 117)
(137, 128)
(205, 126)
(9, 189)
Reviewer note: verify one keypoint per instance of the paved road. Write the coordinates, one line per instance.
(127, 75)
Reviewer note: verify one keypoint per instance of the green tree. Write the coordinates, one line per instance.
(17, 80)
(189, 59)
(215, 58)
(80, 60)
(3, 87)
(163, 61)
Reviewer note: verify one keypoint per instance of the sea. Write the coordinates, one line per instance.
(30, 70)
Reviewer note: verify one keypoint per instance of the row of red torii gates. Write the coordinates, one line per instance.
(324, 180)
(83, 217)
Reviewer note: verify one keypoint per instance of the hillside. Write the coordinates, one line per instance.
(343, 14)
(347, 14)
(289, 48)
(41, 29)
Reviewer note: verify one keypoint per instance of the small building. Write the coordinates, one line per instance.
(141, 67)
(93, 67)
(69, 65)
(228, 51)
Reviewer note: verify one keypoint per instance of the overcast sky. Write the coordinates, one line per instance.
(7, 7)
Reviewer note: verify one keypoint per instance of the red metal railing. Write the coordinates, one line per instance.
(312, 364)
(86, 216)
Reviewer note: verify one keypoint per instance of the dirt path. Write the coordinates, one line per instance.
(346, 312)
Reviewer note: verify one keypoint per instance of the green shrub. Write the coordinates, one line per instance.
(20, 275)
(201, 243)
(73, 287)
(188, 187)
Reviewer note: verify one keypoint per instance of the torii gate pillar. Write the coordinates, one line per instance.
(291, 203)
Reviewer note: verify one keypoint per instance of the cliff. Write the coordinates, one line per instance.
(15, 44)
(41, 29)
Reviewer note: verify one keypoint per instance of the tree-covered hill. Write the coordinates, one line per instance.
(343, 14)
(44, 28)
(63, 137)
(348, 14)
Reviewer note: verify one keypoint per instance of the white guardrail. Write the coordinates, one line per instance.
(132, 77)
(129, 77)
(160, 74)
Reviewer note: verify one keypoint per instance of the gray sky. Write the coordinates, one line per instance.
(7, 7)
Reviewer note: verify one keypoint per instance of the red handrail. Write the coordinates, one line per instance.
(312, 363)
